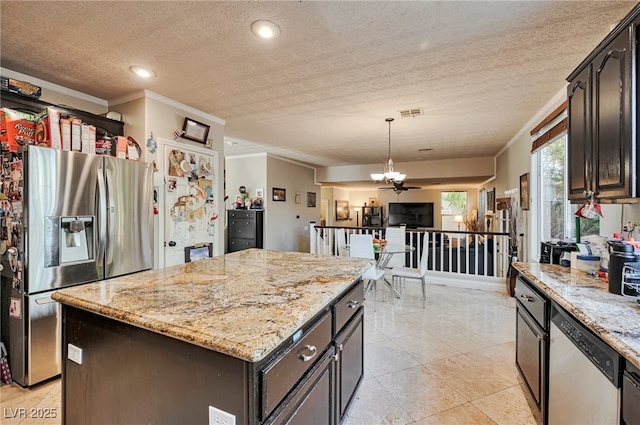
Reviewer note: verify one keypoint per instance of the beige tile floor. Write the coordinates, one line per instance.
(451, 363)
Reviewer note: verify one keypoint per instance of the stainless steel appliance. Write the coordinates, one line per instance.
(75, 218)
(584, 374)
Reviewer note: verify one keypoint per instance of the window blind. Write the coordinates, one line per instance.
(549, 128)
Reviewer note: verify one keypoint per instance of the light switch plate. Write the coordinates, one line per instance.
(220, 417)
(74, 353)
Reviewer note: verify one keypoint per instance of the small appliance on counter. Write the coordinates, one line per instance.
(621, 254)
(551, 253)
(631, 280)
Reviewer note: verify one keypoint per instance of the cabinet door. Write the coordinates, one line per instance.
(530, 354)
(350, 367)
(313, 402)
(579, 134)
(613, 146)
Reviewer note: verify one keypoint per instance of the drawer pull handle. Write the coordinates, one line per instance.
(352, 304)
(527, 298)
(312, 349)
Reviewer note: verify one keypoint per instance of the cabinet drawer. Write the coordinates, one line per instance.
(287, 369)
(534, 303)
(240, 244)
(240, 215)
(242, 228)
(348, 305)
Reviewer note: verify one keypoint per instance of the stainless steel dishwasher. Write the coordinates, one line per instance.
(584, 374)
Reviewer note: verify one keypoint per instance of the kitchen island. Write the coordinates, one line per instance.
(265, 336)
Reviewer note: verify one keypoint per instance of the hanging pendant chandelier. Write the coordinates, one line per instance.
(388, 174)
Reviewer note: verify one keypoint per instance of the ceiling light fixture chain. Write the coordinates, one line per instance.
(389, 175)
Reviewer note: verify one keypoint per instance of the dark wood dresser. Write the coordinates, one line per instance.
(245, 229)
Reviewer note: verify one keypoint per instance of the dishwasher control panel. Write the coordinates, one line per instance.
(599, 352)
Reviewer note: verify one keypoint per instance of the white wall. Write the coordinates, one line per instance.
(357, 198)
(287, 223)
(434, 169)
(249, 171)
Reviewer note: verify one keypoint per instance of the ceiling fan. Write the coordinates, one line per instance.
(399, 187)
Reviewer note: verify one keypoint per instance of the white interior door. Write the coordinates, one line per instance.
(189, 208)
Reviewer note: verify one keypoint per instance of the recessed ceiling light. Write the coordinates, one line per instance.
(265, 29)
(143, 72)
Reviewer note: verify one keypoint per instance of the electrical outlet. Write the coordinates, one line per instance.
(220, 417)
(74, 353)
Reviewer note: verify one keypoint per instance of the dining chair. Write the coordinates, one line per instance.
(361, 246)
(341, 242)
(396, 236)
(402, 273)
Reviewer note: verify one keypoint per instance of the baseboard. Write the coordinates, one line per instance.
(458, 280)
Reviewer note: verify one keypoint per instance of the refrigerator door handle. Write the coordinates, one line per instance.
(102, 217)
(47, 300)
(111, 218)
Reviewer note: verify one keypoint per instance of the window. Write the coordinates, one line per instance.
(556, 216)
(553, 203)
(453, 204)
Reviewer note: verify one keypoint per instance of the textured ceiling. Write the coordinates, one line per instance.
(320, 92)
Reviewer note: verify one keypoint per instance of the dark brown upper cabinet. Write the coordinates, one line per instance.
(602, 119)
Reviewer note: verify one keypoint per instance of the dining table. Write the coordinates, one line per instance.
(383, 255)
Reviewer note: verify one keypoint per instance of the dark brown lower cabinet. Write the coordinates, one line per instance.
(350, 362)
(313, 403)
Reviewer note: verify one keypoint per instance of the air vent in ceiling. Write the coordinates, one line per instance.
(425, 150)
(411, 113)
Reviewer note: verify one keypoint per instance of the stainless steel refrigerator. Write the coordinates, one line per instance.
(71, 218)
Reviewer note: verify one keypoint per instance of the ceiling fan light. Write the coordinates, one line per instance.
(389, 174)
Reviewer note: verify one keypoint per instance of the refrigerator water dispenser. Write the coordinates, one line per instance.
(74, 246)
(69, 240)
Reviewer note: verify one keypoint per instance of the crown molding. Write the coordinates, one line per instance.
(555, 101)
(169, 102)
(53, 87)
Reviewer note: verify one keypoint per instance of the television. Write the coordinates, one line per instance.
(411, 214)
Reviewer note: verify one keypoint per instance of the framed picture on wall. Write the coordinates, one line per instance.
(279, 194)
(311, 199)
(194, 130)
(524, 191)
(342, 210)
(491, 199)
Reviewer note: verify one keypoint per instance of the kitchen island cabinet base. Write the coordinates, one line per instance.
(133, 375)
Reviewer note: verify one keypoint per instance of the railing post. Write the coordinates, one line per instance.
(313, 238)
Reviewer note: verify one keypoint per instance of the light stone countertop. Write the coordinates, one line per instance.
(243, 304)
(614, 318)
